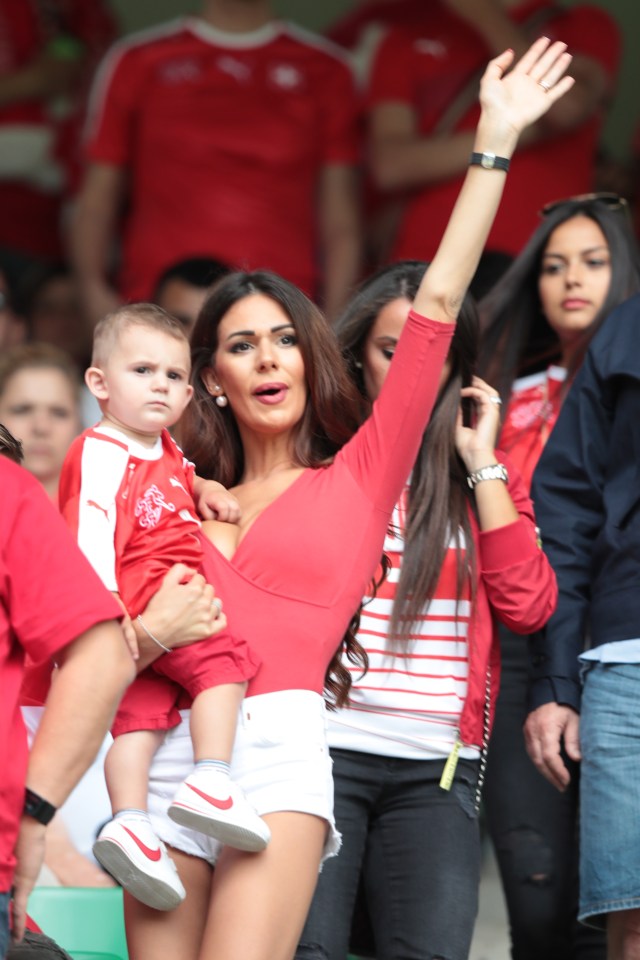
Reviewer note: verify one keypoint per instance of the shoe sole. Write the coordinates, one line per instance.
(229, 833)
(148, 890)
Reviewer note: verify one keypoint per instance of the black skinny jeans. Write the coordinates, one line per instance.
(417, 848)
(534, 831)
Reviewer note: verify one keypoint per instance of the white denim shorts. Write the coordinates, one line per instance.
(280, 759)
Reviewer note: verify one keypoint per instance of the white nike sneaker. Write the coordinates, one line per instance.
(215, 805)
(129, 850)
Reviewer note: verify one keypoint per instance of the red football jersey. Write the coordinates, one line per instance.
(223, 137)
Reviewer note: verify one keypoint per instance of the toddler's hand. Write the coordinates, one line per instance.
(130, 636)
(214, 502)
(127, 629)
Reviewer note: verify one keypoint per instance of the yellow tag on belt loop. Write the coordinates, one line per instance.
(450, 766)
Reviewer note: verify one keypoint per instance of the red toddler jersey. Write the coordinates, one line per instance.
(131, 509)
(223, 137)
(428, 70)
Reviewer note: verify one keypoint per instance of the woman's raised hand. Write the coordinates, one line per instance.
(519, 95)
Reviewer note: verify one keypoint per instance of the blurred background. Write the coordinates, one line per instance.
(625, 109)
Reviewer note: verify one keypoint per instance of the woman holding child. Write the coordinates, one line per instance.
(272, 418)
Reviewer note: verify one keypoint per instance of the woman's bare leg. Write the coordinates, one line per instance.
(260, 901)
(177, 934)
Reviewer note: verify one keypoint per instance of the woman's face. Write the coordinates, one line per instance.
(575, 275)
(380, 346)
(40, 408)
(259, 367)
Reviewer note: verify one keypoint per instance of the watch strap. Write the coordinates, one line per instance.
(489, 161)
(37, 807)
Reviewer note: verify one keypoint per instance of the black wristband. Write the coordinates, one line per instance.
(489, 161)
(37, 807)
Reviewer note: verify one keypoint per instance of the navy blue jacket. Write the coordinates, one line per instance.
(586, 491)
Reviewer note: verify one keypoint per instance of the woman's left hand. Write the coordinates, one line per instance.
(517, 95)
(476, 444)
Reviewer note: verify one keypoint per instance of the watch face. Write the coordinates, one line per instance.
(488, 161)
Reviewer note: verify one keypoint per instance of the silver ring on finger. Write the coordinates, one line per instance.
(496, 400)
(546, 86)
(216, 604)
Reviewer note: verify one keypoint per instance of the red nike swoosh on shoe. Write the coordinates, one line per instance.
(148, 852)
(220, 804)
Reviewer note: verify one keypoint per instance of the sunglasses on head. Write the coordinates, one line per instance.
(610, 200)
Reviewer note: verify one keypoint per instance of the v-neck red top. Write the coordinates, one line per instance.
(301, 570)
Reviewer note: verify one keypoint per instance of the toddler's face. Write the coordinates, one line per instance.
(146, 382)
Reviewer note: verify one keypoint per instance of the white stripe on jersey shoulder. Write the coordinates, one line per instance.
(532, 380)
(112, 58)
(134, 447)
(311, 39)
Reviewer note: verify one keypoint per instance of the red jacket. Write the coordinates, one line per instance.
(515, 585)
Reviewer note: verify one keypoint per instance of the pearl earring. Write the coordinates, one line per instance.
(358, 364)
(221, 400)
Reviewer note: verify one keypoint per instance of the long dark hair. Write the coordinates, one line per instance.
(209, 433)
(517, 339)
(439, 496)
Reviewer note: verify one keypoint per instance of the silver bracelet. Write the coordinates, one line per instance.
(151, 636)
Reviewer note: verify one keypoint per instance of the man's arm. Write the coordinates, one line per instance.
(92, 237)
(43, 78)
(401, 157)
(93, 672)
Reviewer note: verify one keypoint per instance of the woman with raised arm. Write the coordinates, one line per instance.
(272, 418)
(409, 750)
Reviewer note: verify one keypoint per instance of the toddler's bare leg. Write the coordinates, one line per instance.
(127, 766)
(214, 716)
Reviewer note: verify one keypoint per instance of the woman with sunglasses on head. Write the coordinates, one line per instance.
(539, 319)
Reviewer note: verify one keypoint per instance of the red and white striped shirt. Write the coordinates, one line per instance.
(409, 702)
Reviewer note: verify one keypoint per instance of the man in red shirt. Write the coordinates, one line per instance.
(47, 56)
(52, 605)
(421, 100)
(229, 135)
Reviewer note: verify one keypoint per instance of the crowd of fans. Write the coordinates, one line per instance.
(155, 168)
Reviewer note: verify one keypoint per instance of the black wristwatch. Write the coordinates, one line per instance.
(37, 807)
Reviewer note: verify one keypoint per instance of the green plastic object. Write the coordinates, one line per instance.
(83, 955)
(88, 922)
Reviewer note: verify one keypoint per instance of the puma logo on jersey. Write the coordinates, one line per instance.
(234, 68)
(92, 503)
(433, 48)
(176, 483)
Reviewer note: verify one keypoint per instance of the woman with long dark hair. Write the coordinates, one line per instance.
(579, 264)
(409, 750)
(274, 407)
